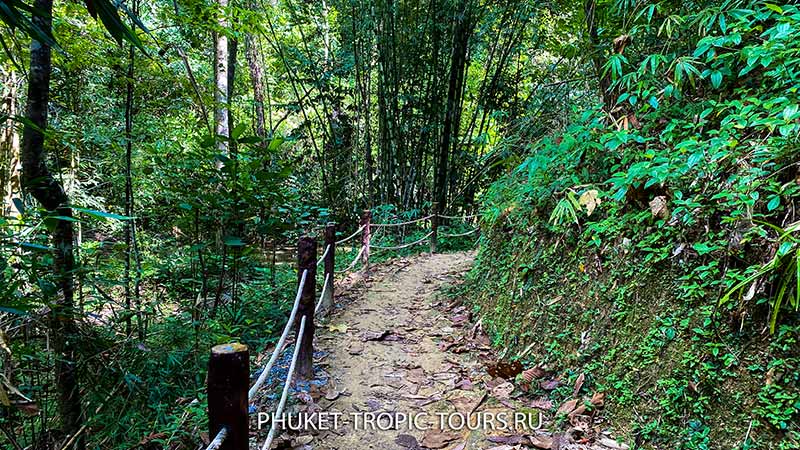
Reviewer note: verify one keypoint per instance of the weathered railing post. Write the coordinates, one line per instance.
(306, 260)
(330, 261)
(228, 380)
(434, 226)
(366, 217)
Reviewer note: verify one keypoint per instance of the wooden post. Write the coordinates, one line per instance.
(330, 240)
(228, 381)
(306, 260)
(366, 217)
(434, 226)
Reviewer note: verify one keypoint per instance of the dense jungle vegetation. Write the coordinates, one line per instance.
(634, 164)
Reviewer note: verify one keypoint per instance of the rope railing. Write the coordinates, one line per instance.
(322, 295)
(355, 260)
(279, 346)
(359, 230)
(378, 225)
(286, 385)
(400, 247)
(322, 258)
(218, 439)
(461, 234)
(471, 216)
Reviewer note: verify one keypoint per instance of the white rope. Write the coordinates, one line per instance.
(404, 245)
(461, 234)
(322, 258)
(378, 225)
(352, 235)
(471, 216)
(218, 440)
(322, 295)
(286, 386)
(355, 260)
(279, 346)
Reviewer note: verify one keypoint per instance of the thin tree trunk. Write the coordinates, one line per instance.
(221, 90)
(128, 187)
(41, 184)
(257, 80)
(604, 81)
(9, 144)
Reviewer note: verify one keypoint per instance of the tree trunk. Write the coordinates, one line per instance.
(257, 80)
(41, 184)
(597, 58)
(221, 89)
(9, 148)
(461, 34)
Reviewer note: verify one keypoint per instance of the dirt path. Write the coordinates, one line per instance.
(396, 352)
(387, 359)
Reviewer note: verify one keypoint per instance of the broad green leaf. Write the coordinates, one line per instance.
(102, 214)
(773, 204)
(36, 247)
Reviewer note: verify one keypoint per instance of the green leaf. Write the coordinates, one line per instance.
(13, 311)
(716, 79)
(36, 247)
(775, 8)
(233, 241)
(64, 218)
(790, 112)
(774, 202)
(237, 132)
(653, 102)
(702, 248)
(185, 206)
(275, 143)
(102, 214)
(109, 15)
(785, 248)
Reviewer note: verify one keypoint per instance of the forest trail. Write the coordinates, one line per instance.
(387, 359)
(396, 349)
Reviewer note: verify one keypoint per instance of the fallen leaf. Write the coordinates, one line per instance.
(503, 391)
(465, 384)
(567, 407)
(590, 200)
(658, 207)
(533, 374)
(541, 441)
(438, 439)
(598, 399)
(550, 385)
(341, 327)
(610, 443)
(578, 385)
(375, 336)
(302, 440)
(509, 440)
(465, 405)
(407, 441)
(542, 403)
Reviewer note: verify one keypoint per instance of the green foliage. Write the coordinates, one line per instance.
(688, 260)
